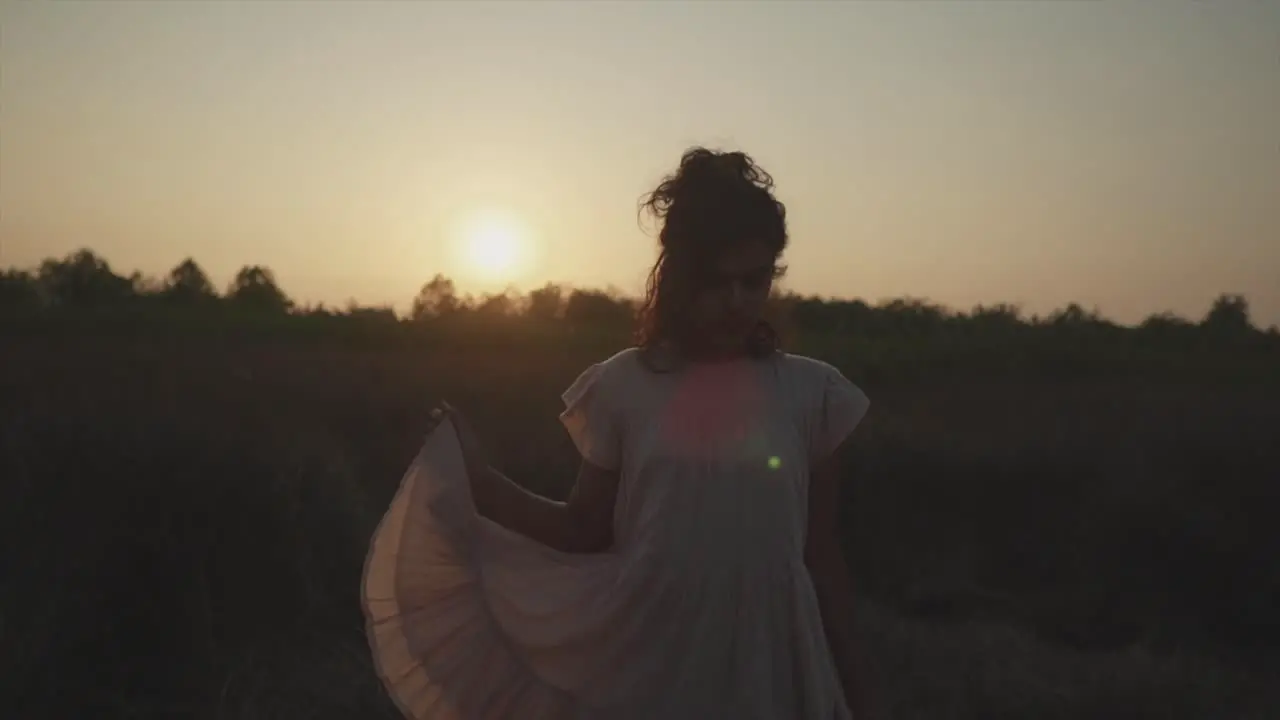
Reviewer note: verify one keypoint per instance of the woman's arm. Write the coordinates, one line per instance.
(582, 524)
(825, 560)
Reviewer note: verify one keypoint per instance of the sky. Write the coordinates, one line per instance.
(1124, 156)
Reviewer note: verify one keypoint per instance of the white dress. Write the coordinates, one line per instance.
(702, 609)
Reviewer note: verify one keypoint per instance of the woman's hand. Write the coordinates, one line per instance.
(583, 524)
(472, 452)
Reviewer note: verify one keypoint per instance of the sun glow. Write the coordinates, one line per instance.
(494, 246)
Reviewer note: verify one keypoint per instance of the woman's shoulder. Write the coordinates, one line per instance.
(610, 371)
(622, 362)
(807, 367)
(624, 356)
(819, 377)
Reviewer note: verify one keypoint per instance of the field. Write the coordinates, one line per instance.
(183, 521)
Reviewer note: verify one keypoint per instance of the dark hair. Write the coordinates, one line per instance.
(711, 203)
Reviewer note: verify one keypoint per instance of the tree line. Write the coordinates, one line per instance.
(83, 280)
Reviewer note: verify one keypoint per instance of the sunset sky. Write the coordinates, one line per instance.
(1123, 155)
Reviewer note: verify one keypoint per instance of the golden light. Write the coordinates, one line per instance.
(494, 246)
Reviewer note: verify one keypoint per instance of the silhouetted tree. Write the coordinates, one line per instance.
(898, 336)
(1229, 315)
(1166, 323)
(320, 310)
(145, 286)
(18, 290)
(592, 308)
(999, 319)
(812, 314)
(504, 304)
(436, 299)
(1073, 316)
(188, 284)
(255, 288)
(83, 279)
(912, 315)
(546, 303)
(374, 315)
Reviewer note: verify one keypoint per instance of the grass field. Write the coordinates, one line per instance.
(183, 524)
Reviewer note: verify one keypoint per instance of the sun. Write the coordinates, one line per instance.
(494, 246)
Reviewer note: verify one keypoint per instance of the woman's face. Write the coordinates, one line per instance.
(730, 297)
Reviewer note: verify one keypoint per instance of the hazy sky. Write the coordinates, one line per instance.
(1124, 155)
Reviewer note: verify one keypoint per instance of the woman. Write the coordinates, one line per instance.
(694, 571)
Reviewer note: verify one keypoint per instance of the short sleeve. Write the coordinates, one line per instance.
(591, 420)
(839, 407)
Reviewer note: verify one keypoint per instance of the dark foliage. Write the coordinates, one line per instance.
(1049, 518)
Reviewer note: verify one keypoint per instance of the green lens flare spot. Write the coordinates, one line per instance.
(775, 462)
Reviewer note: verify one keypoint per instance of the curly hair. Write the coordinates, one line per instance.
(713, 202)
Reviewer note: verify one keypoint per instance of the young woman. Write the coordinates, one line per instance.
(694, 572)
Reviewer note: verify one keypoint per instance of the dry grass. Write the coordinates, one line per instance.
(989, 670)
(182, 528)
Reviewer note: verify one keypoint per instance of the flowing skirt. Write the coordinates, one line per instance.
(469, 621)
